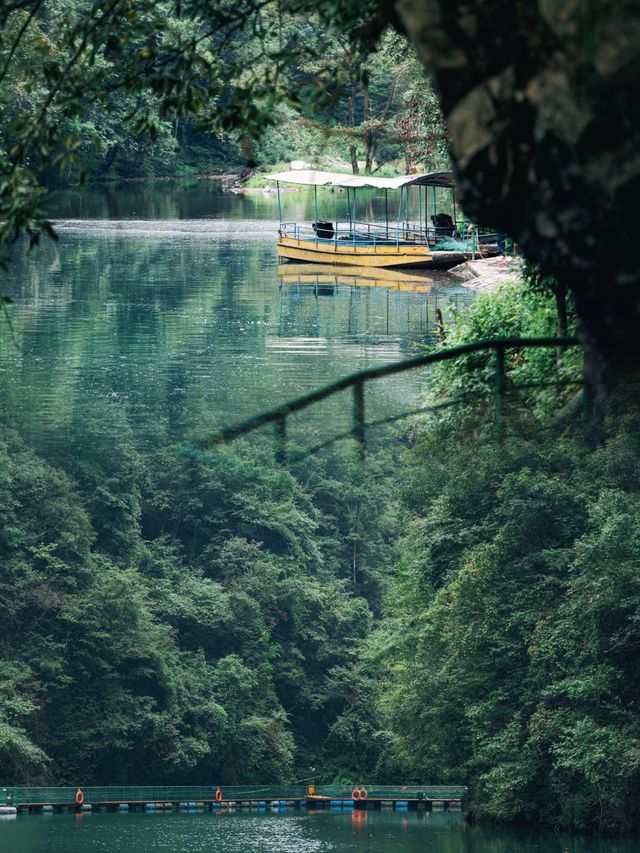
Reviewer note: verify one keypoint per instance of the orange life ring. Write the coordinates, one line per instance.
(355, 793)
(79, 797)
(218, 795)
(364, 794)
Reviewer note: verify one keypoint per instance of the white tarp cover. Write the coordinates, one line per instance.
(312, 178)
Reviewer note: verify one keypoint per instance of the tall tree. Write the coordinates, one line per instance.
(542, 109)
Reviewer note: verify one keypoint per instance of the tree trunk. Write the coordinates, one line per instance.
(542, 109)
(351, 116)
(368, 136)
(353, 153)
(561, 311)
(110, 158)
(370, 152)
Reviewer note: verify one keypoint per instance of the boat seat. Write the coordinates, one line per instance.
(443, 224)
(324, 230)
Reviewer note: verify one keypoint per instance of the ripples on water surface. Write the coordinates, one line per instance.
(184, 324)
(230, 229)
(290, 832)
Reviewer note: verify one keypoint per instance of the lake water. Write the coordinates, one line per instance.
(166, 303)
(290, 832)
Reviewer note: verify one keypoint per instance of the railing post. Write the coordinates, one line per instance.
(499, 389)
(358, 417)
(281, 440)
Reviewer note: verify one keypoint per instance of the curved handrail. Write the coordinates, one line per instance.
(279, 414)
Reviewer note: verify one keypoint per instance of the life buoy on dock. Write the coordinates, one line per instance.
(355, 794)
(363, 793)
(218, 795)
(79, 797)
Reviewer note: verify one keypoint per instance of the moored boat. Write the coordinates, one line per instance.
(423, 239)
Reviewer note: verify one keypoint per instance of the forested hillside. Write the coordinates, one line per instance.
(464, 607)
(464, 614)
(337, 105)
(166, 615)
(510, 638)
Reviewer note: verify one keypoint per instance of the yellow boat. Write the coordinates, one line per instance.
(405, 243)
(353, 251)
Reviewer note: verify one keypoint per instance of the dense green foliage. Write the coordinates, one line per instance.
(383, 113)
(170, 615)
(168, 87)
(166, 613)
(512, 630)
(516, 630)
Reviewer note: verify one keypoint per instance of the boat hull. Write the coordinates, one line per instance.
(359, 256)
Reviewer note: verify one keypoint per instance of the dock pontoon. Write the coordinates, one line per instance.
(420, 235)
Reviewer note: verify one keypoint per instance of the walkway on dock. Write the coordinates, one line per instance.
(140, 798)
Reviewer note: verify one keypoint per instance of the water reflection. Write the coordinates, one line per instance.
(330, 277)
(359, 818)
(288, 831)
(208, 199)
(171, 330)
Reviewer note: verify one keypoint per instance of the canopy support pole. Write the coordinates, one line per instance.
(354, 216)
(436, 236)
(279, 204)
(349, 205)
(386, 211)
(406, 209)
(399, 215)
(420, 210)
(455, 217)
(426, 214)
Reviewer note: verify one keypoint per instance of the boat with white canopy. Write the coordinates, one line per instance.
(418, 235)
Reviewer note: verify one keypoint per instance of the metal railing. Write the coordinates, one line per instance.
(150, 794)
(280, 415)
(115, 794)
(348, 234)
(395, 792)
(403, 233)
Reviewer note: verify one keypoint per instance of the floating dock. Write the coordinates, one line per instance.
(217, 797)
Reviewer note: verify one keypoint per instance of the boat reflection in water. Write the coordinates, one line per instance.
(326, 278)
(392, 310)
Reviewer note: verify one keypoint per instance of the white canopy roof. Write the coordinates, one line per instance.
(312, 178)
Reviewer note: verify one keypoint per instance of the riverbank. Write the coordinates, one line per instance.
(486, 275)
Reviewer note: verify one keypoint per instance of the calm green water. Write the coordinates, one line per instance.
(289, 832)
(163, 305)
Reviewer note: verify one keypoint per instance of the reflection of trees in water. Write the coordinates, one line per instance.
(405, 317)
(175, 332)
(205, 199)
